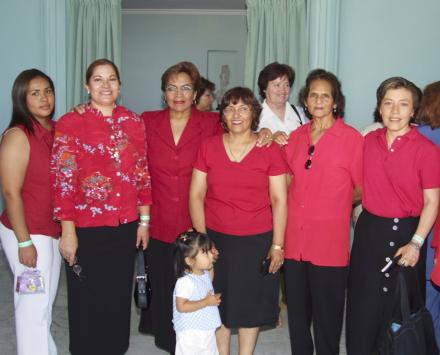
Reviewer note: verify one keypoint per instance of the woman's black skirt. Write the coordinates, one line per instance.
(249, 298)
(370, 292)
(99, 293)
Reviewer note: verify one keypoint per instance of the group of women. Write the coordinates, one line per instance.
(270, 184)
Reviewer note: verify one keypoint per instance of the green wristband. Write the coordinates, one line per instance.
(144, 217)
(418, 239)
(25, 244)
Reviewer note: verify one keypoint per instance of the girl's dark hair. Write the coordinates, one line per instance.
(338, 96)
(233, 96)
(187, 245)
(20, 112)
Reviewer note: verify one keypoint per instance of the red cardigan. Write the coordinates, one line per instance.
(170, 167)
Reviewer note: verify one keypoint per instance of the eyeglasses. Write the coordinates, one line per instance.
(311, 151)
(242, 110)
(184, 89)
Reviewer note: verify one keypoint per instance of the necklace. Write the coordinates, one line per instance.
(242, 153)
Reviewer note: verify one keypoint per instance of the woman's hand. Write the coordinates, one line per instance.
(68, 242)
(264, 137)
(409, 255)
(276, 260)
(143, 237)
(28, 256)
(81, 108)
(280, 137)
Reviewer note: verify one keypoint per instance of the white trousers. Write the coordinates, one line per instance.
(33, 313)
(196, 342)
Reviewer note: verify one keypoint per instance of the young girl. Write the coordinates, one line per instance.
(195, 312)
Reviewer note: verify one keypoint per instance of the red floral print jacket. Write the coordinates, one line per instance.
(99, 168)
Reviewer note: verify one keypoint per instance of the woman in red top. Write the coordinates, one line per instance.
(324, 157)
(238, 195)
(101, 184)
(400, 199)
(28, 233)
(173, 138)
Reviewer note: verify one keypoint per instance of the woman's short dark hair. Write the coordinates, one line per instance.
(99, 62)
(187, 245)
(20, 111)
(338, 96)
(233, 96)
(271, 72)
(183, 67)
(397, 82)
(204, 85)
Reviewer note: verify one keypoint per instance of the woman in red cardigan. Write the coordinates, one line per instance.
(173, 138)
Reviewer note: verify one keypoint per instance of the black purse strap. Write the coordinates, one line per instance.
(402, 291)
(401, 294)
(140, 264)
(297, 113)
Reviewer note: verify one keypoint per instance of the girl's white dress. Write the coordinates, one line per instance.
(195, 331)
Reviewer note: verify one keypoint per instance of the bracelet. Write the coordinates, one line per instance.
(418, 239)
(416, 245)
(143, 224)
(144, 217)
(25, 244)
(277, 247)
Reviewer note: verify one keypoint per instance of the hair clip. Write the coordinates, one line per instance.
(183, 238)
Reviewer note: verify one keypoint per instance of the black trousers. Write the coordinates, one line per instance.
(157, 320)
(315, 293)
(371, 292)
(99, 298)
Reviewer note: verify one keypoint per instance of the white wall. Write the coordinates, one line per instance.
(384, 38)
(152, 43)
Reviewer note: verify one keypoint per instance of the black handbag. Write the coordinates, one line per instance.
(142, 288)
(409, 333)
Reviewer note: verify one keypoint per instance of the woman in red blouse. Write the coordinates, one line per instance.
(238, 196)
(173, 138)
(28, 233)
(324, 157)
(400, 199)
(101, 185)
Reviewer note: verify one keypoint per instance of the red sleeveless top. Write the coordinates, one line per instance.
(36, 191)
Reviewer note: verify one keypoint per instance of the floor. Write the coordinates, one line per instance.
(270, 342)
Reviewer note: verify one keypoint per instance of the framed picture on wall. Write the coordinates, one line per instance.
(222, 70)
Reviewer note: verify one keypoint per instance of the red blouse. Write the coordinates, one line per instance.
(320, 198)
(99, 168)
(35, 191)
(237, 201)
(170, 167)
(395, 178)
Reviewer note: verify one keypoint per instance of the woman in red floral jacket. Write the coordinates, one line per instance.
(101, 184)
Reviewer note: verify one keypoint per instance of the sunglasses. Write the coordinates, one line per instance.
(311, 151)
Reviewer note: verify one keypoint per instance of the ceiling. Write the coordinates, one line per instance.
(184, 4)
